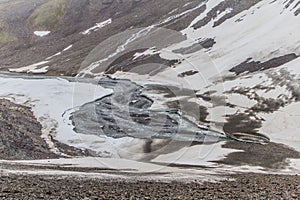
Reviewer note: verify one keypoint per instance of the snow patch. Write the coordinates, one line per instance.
(97, 27)
(34, 68)
(67, 48)
(41, 33)
(200, 155)
(59, 53)
(283, 125)
(50, 57)
(148, 52)
(42, 70)
(222, 14)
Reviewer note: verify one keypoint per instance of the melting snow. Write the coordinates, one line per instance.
(222, 14)
(97, 27)
(200, 155)
(252, 37)
(148, 52)
(50, 57)
(41, 33)
(283, 126)
(32, 68)
(67, 48)
(40, 70)
(57, 54)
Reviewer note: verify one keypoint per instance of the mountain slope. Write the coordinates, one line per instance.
(248, 70)
(238, 59)
(67, 20)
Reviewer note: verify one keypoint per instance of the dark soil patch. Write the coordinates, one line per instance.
(204, 44)
(188, 73)
(207, 43)
(253, 66)
(270, 155)
(125, 63)
(297, 12)
(185, 20)
(242, 127)
(237, 6)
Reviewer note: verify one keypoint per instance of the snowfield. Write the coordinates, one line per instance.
(52, 100)
(254, 38)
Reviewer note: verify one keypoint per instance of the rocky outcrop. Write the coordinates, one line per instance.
(20, 133)
(20, 136)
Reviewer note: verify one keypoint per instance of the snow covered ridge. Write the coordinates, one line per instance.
(97, 27)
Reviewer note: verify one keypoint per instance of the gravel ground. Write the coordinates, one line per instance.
(244, 186)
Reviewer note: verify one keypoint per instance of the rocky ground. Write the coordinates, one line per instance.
(241, 186)
(20, 135)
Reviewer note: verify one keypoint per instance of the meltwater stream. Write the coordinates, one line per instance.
(127, 112)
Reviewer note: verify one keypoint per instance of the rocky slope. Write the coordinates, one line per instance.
(20, 133)
(67, 20)
(20, 136)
